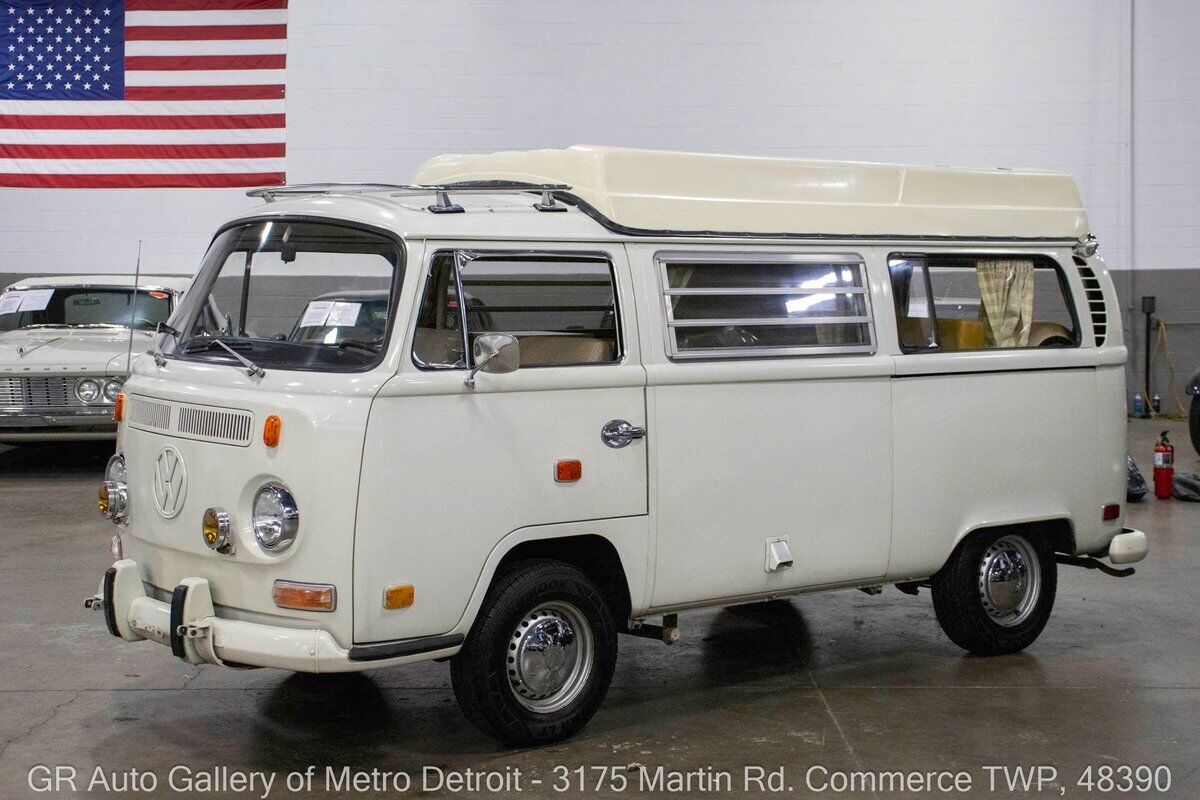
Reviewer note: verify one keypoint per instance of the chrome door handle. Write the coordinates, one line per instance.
(619, 433)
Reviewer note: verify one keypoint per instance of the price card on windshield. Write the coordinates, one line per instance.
(344, 314)
(36, 299)
(316, 313)
(10, 302)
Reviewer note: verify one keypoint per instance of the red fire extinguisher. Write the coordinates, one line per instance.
(1164, 467)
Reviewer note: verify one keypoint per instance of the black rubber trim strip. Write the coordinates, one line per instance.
(1005, 371)
(407, 647)
(110, 613)
(177, 599)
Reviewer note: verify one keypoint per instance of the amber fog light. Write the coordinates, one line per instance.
(217, 530)
(304, 596)
(112, 500)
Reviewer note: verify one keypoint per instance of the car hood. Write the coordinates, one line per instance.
(102, 350)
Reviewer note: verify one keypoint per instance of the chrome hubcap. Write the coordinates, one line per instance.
(1010, 580)
(549, 657)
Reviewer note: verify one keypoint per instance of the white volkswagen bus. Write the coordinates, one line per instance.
(539, 399)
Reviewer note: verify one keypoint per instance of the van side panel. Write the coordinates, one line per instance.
(987, 448)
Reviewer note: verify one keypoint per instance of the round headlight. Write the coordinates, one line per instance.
(87, 390)
(217, 529)
(112, 388)
(276, 517)
(115, 471)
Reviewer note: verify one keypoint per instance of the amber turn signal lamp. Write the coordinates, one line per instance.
(271, 429)
(1111, 511)
(398, 596)
(568, 471)
(103, 501)
(119, 407)
(304, 596)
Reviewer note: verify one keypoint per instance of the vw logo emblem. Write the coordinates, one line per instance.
(170, 482)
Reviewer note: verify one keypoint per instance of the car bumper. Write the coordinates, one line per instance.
(190, 626)
(57, 424)
(1128, 547)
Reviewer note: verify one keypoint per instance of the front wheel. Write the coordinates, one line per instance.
(996, 592)
(540, 656)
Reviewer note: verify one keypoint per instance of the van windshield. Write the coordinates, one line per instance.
(292, 294)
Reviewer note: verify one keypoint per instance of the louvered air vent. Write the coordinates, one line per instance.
(219, 425)
(147, 413)
(215, 425)
(1095, 298)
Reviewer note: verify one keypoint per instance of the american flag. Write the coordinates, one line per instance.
(142, 93)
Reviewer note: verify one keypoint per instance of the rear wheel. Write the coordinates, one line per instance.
(995, 594)
(1194, 422)
(540, 657)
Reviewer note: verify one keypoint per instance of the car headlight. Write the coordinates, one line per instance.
(276, 518)
(113, 499)
(115, 471)
(87, 390)
(112, 388)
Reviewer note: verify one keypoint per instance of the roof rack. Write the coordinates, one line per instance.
(442, 203)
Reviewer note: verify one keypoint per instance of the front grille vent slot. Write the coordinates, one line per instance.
(1095, 298)
(149, 414)
(207, 424)
(215, 425)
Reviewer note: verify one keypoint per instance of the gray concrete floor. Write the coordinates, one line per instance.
(840, 680)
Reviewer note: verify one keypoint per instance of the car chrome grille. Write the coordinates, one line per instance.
(51, 392)
(218, 425)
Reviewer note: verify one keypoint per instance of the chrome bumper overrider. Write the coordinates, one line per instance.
(190, 627)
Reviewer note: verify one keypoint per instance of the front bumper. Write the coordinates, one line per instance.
(190, 626)
(49, 424)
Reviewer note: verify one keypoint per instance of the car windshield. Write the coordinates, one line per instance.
(82, 307)
(291, 294)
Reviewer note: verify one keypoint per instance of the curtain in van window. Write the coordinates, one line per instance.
(1006, 295)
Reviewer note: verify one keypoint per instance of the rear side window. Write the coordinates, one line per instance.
(960, 302)
(561, 308)
(742, 305)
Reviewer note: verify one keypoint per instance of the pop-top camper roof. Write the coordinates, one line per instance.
(641, 191)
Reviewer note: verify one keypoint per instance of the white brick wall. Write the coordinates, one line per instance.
(375, 86)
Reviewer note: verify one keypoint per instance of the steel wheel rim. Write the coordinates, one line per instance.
(548, 658)
(1010, 580)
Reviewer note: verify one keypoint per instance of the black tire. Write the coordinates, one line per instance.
(959, 597)
(1194, 422)
(481, 672)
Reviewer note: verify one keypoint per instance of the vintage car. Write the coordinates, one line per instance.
(608, 386)
(65, 344)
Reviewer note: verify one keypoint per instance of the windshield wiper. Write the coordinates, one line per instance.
(371, 347)
(252, 369)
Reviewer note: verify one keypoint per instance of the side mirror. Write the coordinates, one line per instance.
(496, 353)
